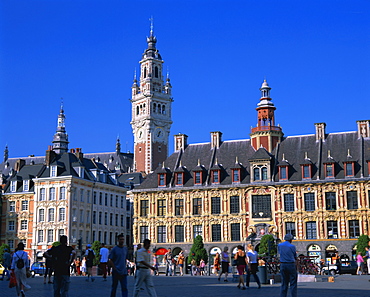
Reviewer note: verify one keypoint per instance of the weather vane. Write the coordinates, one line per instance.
(151, 25)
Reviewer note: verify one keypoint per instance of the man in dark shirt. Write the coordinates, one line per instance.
(7, 259)
(62, 257)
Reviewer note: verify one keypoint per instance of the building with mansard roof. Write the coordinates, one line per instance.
(316, 187)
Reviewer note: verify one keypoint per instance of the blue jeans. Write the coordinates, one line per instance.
(61, 285)
(289, 275)
(116, 277)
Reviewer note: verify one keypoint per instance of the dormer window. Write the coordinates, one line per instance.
(53, 171)
(329, 170)
(349, 168)
(13, 186)
(260, 173)
(26, 185)
(236, 175)
(179, 179)
(306, 171)
(283, 172)
(215, 177)
(161, 180)
(198, 177)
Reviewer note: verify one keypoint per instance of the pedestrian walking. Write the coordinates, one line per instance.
(117, 260)
(7, 261)
(138, 247)
(90, 256)
(48, 268)
(62, 257)
(252, 265)
(217, 264)
(202, 264)
(180, 262)
(83, 266)
(103, 258)
(225, 263)
(21, 267)
(193, 267)
(241, 263)
(78, 264)
(368, 259)
(288, 266)
(360, 263)
(143, 275)
(168, 257)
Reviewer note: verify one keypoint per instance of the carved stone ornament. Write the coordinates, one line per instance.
(143, 196)
(197, 194)
(233, 192)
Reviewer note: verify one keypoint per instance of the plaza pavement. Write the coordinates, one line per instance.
(200, 286)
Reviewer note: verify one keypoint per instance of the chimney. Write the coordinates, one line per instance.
(216, 139)
(19, 164)
(79, 153)
(50, 156)
(320, 131)
(181, 142)
(363, 128)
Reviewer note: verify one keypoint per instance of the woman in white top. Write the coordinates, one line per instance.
(20, 273)
(252, 265)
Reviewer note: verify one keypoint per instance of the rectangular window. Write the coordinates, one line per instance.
(215, 177)
(197, 206)
(329, 170)
(99, 236)
(216, 232)
(179, 207)
(144, 208)
(111, 200)
(40, 236)
(51, 215)
(234, 204)
(256, 174)
(235, 232)
(161, 207)
(311, 230)
(236, 175)
(13, 186)
(24, 205)
(122, 221)
(11, 206)
(180, 179)
(261, 206)
(179, 233)
(309, 201)
(24, 224)
(128, 205)
(116, 200)
(354, 228)
(332, 228)
(352, 201)
(62, 214)
(331, 202)
(42, 194)
(50, 236)
(289, 202)
(128, 223)
(349, 169)
(290, 228)
(161, 231)
(100, 198)
(81, 216)
(82, 195)
(198, 178)
(144, 233)
(62, 193)
(122, 202)
(111, 219)
(88, 217)
(52, 194)
(11, 243)
(106, 199)
(215, 205)
(117, 221)
(11, 226)
(88, 197)
(306, 171)
(26, 185)
(60, 233)
(100, 218)
(161, 180)
(94, 197)
(94, 217)
(283, 173)
(106, 218)
(197, 230)
(41, 215)
(93, 236)
(53, 172)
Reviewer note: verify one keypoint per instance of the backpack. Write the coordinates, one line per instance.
(20, 263)
(90, 255)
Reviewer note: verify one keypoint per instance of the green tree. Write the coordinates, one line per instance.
(267, 246)
(362, 242)
(197, 251)
(56, 243)
(96, 248)
(2, 248)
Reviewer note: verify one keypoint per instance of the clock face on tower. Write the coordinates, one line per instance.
(158, 133)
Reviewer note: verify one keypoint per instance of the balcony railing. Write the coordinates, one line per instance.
(266, 128)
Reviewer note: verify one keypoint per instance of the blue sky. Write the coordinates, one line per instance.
(314, 55)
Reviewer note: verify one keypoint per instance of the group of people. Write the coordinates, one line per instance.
(172, 262)
(361, 261)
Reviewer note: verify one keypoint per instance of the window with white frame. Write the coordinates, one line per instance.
(161, 233)
(24, 224)
(24, 205)
(62, 214)
(13, 186)
(11, 206)
(40, 235)
(53, 171)
(41, 215)
(42, 194)
(11, 225)
(26, 185)
(51, 215)
(52, 193)
(62, 193)
(197, 230)
(50, 235)
(11, 243)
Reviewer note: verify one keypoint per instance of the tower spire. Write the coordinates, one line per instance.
(151, 25)
(60, 140)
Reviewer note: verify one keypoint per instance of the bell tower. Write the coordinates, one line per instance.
(266, 134)
(60, 139)
(151, 110)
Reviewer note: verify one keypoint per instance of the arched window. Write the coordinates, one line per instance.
(144, 72)
(156, 71)
(159, 108)
(256, 174)
(163, 109)
(264, 173)
(137, 110)
(154, 107)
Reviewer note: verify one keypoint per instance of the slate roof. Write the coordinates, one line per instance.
(297, 150)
